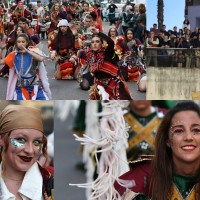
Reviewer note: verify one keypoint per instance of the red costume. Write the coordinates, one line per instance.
(129, 69)
(103, 66)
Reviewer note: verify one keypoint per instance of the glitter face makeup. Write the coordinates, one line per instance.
(24, 149)
(178, 128)
(184, 138)
(20, 142)
(16, 143)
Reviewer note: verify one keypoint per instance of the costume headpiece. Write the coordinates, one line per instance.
(20, 117)
(63, 22)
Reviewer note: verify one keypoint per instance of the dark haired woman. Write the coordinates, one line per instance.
(62, 47)
(186, 24)
(126, 49)
(10, 46)
(101, 62)
(27, 75)
(174, 172)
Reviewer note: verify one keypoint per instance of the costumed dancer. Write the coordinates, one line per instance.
(98, 18)
(19, 11)
(126, 48)
(22, 142)
(174, 172)
(2, 34)
(27, 76)
(101, 61)
(62, 47)
(143, 120)
(4, 71)
(54, 18)
(110, 142)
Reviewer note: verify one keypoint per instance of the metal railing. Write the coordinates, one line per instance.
(172, 57)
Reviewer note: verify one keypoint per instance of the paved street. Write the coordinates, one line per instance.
(67, 89)
(67, 155)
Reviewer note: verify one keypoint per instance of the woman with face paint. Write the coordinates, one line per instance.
(22, 142)
(101, 62)
(27, 74)
(174, 172)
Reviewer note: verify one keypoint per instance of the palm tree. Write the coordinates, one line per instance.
(160, 13)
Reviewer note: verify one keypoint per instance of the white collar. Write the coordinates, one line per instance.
(31, 187)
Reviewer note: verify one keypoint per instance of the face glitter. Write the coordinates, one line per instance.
(15, 143)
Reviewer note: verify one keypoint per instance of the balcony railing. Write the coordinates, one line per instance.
(172, 57)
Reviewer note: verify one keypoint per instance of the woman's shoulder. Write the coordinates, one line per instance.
(140, 173)
(46, 172)
(48, 181)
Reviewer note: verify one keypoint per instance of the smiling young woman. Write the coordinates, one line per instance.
(22, 142)
(174, 172)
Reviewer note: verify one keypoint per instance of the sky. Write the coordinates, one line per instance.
(173, 13)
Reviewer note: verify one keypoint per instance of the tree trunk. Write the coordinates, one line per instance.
(160, 13)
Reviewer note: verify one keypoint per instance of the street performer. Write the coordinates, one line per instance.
(174, 172)
(62, 47)
(101, 61)
(19, 11)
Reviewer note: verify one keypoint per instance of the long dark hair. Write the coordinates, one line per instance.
(161, 182)
(13, 36)
(125, 35)
(69, 37)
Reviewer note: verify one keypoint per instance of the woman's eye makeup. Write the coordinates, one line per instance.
(17, 142)
(196, 130)
(20, 141)
(97, 41)
(178, 130)
(37, 143)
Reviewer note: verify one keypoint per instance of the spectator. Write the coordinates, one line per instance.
(141, 23)
(152, 41)
(175, 32)
(186, 24)
(155, 30)
(111, 9)
(195, 33)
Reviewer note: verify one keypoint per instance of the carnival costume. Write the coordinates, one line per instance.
(38, 182)
(108, 136)
(108, 83)
(17, 13)
(64, 46)
(44, 177)
(182, 187)
(129, 64)
(54, 18)
(27, 77)
(142, 133)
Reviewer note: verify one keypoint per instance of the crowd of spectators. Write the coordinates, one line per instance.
(176, 47)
